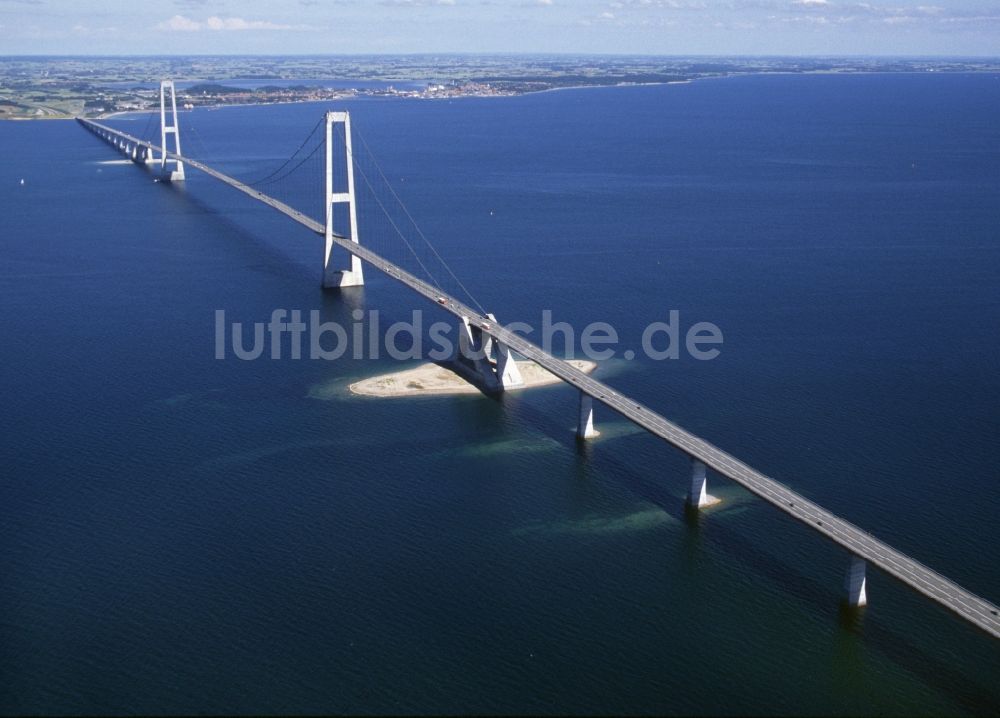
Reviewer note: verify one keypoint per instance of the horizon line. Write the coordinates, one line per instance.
(522, 53)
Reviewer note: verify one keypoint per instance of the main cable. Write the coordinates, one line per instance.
(291, 157)
(406, 211)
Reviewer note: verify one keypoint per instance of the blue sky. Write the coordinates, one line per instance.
(839, 27)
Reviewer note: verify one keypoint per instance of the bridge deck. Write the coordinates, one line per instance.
(979, 612)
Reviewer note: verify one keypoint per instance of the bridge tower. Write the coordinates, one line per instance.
(353, 277)
(178, 172)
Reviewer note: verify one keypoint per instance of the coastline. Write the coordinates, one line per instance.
(688, 81)
(154, 110)
(450, 98)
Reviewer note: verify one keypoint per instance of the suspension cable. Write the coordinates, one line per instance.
(145, 131)
(289, 172)
(416, 226)
(291, 157)
(393, 223)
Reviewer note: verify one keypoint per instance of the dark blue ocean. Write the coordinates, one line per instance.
(182, 534)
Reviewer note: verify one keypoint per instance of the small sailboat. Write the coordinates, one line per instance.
(22, 181)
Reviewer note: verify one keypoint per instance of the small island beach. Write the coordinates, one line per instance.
(432, 379)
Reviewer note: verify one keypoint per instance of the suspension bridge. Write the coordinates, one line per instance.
(486, 348)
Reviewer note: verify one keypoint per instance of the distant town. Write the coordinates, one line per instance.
(39, 87)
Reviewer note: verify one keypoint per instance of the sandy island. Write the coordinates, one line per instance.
(434, 379)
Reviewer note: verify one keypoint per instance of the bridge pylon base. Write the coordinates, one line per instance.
(341, 278)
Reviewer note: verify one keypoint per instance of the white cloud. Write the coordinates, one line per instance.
(811, 3)
(180, 23)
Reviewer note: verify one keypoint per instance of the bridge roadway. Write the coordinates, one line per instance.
(967, 605)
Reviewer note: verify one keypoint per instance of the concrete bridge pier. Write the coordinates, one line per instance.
(855, 583)
(490, 361)
(698, 496)
(471, 353)
(507, 371)
(585, 424)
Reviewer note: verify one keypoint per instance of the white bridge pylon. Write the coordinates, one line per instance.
(353, 277)
(177, 173)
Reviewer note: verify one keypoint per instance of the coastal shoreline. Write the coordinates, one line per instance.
(686, 81)
(155, 110)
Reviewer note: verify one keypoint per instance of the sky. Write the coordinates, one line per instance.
(654, 27)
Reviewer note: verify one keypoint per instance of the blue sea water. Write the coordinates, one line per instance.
(182, 534)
